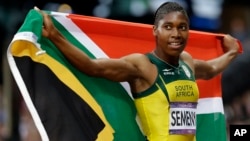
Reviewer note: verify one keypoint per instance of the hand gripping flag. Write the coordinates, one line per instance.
(66, 104)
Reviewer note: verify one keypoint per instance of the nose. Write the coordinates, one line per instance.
(175, 32)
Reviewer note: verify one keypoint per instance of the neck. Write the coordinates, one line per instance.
(173, 61)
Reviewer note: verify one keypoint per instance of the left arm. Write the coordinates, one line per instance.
(209, 69)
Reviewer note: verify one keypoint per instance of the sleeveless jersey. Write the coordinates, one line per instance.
(167, 110)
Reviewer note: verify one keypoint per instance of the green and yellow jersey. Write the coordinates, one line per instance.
(167, 110)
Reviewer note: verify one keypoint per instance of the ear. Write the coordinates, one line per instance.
(154, 30)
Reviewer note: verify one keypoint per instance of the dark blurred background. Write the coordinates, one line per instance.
(219, 16)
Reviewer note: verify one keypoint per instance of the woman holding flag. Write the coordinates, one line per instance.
(163, 82)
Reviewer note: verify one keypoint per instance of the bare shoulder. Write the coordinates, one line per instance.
(188, 59)
(146, 71)
(137, 58)
(136, 55)
(139, 61)
(185, 55)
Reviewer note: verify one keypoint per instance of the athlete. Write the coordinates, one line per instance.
(163, 82)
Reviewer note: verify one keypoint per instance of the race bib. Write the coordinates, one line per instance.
(182, 118)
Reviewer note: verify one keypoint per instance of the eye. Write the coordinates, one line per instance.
(167, 27)
(183, 27)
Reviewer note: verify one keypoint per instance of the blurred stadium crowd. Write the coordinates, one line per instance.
(221, 16)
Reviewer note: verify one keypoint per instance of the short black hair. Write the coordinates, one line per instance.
(168, 7)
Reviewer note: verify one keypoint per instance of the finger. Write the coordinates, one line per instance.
(39, 10)
(36, 8)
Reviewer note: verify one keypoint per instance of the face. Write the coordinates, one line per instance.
(172, 34)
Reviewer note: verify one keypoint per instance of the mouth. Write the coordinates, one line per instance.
(175, 45)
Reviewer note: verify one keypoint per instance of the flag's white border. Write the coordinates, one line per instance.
(30, 37)
(210, 105)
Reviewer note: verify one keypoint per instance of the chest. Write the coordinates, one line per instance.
(179, 83)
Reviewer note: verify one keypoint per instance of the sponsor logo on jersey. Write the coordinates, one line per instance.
(168, 71)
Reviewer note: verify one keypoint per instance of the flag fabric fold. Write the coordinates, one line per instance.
(69, 105)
